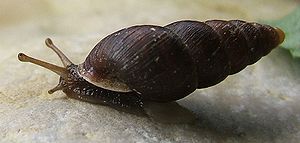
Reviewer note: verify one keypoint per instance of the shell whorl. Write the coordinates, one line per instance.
(168, 63)
(150, 60)
(221, 48)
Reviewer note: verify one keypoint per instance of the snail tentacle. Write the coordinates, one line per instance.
(64, 59)
(58, 70)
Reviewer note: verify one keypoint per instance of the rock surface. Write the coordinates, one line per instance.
(259, 104)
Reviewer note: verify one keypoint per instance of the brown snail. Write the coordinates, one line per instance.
(161, 64)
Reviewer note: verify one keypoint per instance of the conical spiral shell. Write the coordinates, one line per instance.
(168, 63)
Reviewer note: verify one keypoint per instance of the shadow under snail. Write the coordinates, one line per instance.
(161, 64)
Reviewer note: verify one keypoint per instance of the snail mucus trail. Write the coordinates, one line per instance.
(161, 64)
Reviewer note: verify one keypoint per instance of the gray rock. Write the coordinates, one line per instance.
(259, 104)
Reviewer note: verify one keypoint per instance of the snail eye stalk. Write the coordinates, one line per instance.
(64, 59)
(57, 69)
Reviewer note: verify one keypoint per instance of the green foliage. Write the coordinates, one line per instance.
(290, 24)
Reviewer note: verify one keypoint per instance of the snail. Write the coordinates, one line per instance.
(161, 63)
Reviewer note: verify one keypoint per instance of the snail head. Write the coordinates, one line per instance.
(63, 72)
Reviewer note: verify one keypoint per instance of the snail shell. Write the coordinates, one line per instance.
(162, 64)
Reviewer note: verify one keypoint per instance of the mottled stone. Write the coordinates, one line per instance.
(259, 104)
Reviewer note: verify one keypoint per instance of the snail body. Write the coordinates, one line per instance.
(162, 64)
